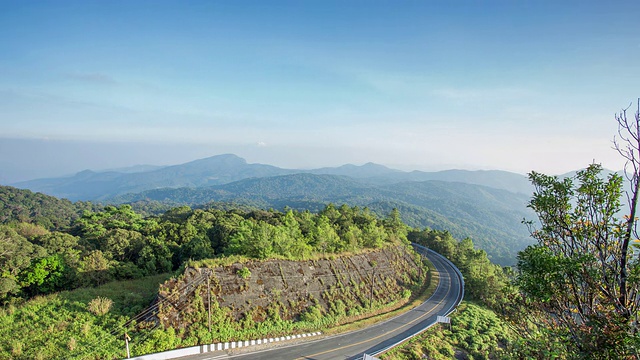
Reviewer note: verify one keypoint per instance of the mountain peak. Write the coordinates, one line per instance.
(218, 160)
(357, 171)
(228, 158)
(372, 165)
(85, 173)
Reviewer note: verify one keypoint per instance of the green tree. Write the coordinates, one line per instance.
(44, 275)
(397, 229)
(121, 244)
(483, 280)
(16, 254)
(155, 257)
(30, 231)
(583, 272)
(331, 213)
(94, 268)
(222, 229)
(288, 239)
(324, 237)
(61, 243)
(373, 235)
(196, 249)
(93, 226)
(253, 239)
(352, 237)
(441, 242)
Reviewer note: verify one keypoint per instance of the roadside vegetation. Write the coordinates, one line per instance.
(574, 293)
(62, 325)
(475, 333)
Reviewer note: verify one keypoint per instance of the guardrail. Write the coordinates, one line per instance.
(202, 349)
(422, 249)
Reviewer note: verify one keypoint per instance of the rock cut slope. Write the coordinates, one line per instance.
(285, 289)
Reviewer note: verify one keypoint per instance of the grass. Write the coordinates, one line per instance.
(476, 333)
(61, 326)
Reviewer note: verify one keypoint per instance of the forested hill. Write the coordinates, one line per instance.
(18, 205)
(491, 217)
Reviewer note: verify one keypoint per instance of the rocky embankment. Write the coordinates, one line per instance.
(284, 289)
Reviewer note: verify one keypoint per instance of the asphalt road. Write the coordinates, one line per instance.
(370, 340)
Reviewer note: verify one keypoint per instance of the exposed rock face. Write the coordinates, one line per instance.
(261, 289)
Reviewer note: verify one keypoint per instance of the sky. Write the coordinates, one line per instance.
(427, 85)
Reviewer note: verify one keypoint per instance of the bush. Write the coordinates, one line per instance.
(16, 348)
(100, 305)
(244, 273)
(72, 344)
(312, 314)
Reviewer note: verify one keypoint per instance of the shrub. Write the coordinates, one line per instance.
(16, 348)
(72, 344)
(244, 273)
(312, 314)
(100, 305)
(86, 328)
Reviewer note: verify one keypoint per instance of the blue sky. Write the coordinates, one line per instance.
(509, 85)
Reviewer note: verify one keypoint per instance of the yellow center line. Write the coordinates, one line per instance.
(385, 334)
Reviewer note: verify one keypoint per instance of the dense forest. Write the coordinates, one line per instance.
(39, 209)
(58, 249)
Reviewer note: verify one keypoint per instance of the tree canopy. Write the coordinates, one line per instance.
(117, 243)
(582, 276)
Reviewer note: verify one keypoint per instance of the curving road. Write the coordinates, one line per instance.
(374, 339)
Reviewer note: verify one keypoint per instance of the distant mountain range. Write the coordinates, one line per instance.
(97, 186)
(487, 206)
(224, 169)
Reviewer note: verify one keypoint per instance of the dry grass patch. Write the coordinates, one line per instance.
(100, 306)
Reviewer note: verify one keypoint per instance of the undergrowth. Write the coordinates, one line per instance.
(475, 333)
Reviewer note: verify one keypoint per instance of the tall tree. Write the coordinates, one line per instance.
(582, 275)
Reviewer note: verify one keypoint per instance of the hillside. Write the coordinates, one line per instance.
(271, 273)
(18, 205)
(490, 216)
(505, 180)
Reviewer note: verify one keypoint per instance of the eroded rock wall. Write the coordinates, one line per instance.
(288, 288)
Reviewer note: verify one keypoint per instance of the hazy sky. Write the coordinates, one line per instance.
(512, 85)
